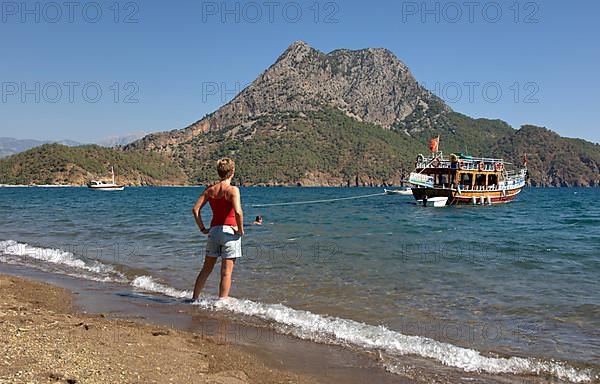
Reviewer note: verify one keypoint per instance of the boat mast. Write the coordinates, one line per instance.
(112, 169)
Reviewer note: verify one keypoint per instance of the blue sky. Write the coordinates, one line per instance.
(92, 70)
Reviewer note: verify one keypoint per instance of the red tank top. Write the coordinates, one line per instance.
(223, 213)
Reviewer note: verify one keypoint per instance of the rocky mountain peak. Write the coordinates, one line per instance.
(370, 85)
(297, 48)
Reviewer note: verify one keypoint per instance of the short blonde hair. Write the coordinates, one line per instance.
(225, 167)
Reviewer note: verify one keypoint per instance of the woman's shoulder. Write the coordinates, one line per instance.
(210, 190)
(231, 192)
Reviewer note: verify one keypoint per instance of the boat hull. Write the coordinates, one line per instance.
(466, 197)
(119, 188)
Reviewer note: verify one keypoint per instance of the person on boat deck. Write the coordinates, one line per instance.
(258, 220)
(442, 179)
(226, 228)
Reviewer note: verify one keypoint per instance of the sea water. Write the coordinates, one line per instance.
(508, 289)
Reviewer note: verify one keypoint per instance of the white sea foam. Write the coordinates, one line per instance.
(147, 283)
(100, 271)
(332, 330)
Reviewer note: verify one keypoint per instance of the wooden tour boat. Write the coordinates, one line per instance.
(465, 179)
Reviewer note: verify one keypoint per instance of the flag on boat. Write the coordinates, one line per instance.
(434, 144)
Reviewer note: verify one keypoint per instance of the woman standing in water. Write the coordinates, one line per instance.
(226, 228)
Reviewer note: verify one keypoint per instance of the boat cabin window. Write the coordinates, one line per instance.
(493, 180)
(465, 179)
(480, 180)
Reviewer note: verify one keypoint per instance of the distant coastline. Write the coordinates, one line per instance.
(40, 186)
(261, 185)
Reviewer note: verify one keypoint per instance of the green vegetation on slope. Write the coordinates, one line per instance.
(458, 132)
(314, 148)
(329, 148)
(553, 160)
(325, 147)
(59, 164)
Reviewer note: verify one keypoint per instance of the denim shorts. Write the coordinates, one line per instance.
(223, 242)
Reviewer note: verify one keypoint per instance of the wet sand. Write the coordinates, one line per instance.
(43, 339)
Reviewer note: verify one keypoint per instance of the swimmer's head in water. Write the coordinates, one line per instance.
(225, 168)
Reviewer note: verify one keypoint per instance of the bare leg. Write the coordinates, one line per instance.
(226, 271)
(209, 264)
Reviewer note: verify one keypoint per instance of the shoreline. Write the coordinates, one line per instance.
(45, 338)
(260, 185)
(156, 316)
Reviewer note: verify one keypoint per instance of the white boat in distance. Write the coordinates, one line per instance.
(100, 185)
(402, 192)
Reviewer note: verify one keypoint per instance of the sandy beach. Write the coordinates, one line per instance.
(43, 339)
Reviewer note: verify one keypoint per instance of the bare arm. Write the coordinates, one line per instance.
(197, 212)
(237, 207)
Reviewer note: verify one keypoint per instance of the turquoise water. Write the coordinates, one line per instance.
(516, 280)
